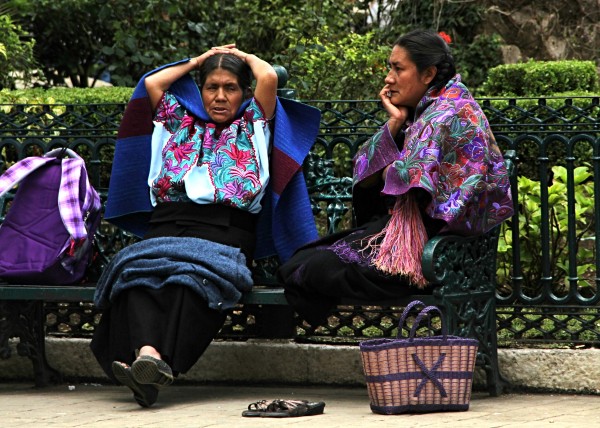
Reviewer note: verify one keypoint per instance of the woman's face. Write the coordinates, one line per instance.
(222, 95)
(406, 86)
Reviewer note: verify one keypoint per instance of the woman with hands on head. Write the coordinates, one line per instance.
(433, 167)
(223, 87)
(166, 297)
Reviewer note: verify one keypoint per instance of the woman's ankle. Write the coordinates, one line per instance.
(149, 350)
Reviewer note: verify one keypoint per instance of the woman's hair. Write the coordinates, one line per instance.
(231, 63)
(427, 48)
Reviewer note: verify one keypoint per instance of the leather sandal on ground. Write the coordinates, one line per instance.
(148, 370)
(284, 408)
(145, 395)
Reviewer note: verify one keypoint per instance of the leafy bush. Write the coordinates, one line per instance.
(16, 53)
(535, 78)
(61, 95)
(84, 38)
(352, 67)
(474, 59)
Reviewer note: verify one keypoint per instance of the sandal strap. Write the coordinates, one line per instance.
(276, 405)
(259, 405)
(285, 404)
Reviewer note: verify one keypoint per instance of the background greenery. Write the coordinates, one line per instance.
(331, 48)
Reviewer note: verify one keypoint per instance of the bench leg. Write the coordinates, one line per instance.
(496, 383)
(476, 318)
(25, 320)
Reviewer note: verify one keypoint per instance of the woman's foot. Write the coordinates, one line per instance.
(145, 395)
(150, 370)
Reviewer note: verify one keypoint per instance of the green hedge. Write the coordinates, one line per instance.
(103, 95)
(534, 78)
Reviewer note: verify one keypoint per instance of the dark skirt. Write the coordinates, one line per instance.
(174, 320)
(320, 274)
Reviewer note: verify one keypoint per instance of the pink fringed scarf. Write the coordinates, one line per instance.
(402, 242)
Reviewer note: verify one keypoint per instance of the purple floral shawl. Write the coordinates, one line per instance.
(450, 152)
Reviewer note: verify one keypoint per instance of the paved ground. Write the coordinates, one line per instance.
(221, 406)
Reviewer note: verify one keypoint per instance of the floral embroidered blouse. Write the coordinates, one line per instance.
(193, 160)
(450, 152)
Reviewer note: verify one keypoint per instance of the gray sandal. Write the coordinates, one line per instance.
(145, 395)
(284, 408)
(154, 371)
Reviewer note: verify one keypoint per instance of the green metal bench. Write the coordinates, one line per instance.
(462, 269)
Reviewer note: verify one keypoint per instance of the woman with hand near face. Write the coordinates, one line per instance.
(433, 167)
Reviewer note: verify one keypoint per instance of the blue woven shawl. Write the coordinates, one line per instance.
(286, 221)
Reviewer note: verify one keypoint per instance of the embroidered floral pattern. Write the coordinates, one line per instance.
(349, 253)
(226, 154)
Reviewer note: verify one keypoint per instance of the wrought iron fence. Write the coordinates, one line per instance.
(547, 261)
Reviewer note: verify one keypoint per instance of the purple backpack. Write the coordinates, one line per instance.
(48, 232)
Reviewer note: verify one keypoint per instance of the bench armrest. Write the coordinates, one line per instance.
(462, 264)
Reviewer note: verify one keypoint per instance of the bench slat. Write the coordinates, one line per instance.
(83, 293)
(67, 293)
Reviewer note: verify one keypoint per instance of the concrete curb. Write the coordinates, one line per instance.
(286, 362)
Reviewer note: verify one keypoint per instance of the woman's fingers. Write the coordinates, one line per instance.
(228, 46)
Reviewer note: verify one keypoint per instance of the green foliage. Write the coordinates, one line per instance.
(271, 27)
(352, 67)
(16, 53)
(530, 231)
(534, 78)
(104, 95)
(148, 34)
(474, 52)
(553, 116)
(474, 60)
(79, 38)
(69, 36)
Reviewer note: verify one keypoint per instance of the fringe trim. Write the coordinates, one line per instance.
(398, 248)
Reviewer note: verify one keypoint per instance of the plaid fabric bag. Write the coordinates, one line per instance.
(419, 374)
(47, 235)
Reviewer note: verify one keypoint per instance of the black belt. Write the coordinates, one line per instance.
(214, 214)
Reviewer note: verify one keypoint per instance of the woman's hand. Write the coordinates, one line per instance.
(213, 51)
(397, 114)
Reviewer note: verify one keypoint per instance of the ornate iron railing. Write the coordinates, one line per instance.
(547, 261)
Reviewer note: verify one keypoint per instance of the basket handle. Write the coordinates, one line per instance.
(405, 314)
(425, 312)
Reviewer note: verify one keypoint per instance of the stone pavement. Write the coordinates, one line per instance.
(206, 405)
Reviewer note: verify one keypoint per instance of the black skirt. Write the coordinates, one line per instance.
(320, 274)
(174, 320)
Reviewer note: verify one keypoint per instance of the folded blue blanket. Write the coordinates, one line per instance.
(218, 273)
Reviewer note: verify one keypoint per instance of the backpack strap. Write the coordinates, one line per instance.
(70, 209)
(13, 175)
(73, 213)
(69, 204)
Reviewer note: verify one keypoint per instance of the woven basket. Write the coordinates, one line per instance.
(419, 374)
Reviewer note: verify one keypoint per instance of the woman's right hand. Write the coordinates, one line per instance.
(213, 51)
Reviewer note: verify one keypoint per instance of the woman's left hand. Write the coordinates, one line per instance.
(231, 49)
(397, 114)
